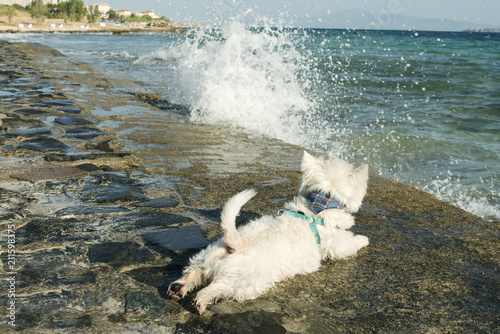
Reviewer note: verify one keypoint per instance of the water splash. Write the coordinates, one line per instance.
(245, 77)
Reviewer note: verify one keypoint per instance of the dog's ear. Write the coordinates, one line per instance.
(309, 162)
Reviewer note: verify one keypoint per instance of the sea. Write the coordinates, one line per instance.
(420, 107)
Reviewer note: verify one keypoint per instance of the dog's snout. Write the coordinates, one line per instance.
(176, 287)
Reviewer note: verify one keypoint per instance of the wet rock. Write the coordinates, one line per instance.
(44, 144)
(56, 102)
(161, 202)
(250, 322)
(119, 253)
(69, 323)
(60, 157)
(146, 219)
(10, 202)
(32, 132)
(214, 215)
(111, 192)
(145, 302)
(49, 174)
(189, 237)
(158, 277)
(71, 120)
(89, 210)
(88, 167)
(84, 133)
(30, 111)
(101, 146)
(71, 110)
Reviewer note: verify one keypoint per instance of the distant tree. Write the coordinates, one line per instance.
(92, 17)
(10, 12)
(113, 15)
(37, 9)
(75, 9)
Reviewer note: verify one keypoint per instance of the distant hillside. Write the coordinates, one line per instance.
(364, 19)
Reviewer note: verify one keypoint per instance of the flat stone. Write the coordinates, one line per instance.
(161, 202)
(119, 253)
(88, 167)
(145, 302)
(158, 277)
(250, 322)
(189, 237)
(111, 192)
(71, 120)
(32, 132)
(145, 219)
(83, 132)
(30, 111)
(68, 323)
(89, 210)
(43, 144)
(56, 102)
(71, 110)
(60, 157)
(49, 174)
(101, 146)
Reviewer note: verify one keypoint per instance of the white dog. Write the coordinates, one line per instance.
(249, 260)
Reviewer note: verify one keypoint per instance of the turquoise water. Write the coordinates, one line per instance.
(420, 107)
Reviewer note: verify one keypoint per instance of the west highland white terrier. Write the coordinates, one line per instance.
(249, 260)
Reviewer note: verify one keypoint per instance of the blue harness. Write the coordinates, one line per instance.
(317, 202)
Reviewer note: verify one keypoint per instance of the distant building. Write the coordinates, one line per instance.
(151, 13)
(103, 9)
(53, 2)
(124, 12)
(22, 3)
(26, 25)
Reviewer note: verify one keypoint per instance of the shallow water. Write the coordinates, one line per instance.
(421, 107)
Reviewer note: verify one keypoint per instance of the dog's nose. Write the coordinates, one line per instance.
(175, 287)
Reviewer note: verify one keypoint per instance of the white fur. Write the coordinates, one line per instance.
(249, 260)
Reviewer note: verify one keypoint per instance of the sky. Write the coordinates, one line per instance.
(484, 12)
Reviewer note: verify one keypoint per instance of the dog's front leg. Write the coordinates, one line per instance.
(178, 289)
(216, 290)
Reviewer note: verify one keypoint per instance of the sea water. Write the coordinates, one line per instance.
(420, 107)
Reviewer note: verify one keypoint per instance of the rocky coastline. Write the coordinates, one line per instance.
(105, 193)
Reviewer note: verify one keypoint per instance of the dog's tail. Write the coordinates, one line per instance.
(228, 218)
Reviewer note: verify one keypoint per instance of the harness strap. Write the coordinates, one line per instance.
(312, 225)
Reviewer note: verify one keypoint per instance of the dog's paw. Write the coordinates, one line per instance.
(175, 291)
(361, 241)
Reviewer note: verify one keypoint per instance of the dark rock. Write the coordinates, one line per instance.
(119, 253)
(145, 302)
(49, 174)
(161, 202)
(33, 132)
(69, 323)
(101, 146)
(189, 237)
(83, 132)
(89, 210)
(250, 322)
(59, 157)
(88, 167)
(71, 110)
(111, 192)
(30, 111)
(159, 277)
(43, 144)
(243, 218)
(56, 102)
(144, 219)
(71, 120)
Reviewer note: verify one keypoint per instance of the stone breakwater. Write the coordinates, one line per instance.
(105, 193)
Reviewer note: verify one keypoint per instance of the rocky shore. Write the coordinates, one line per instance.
(106, 191)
